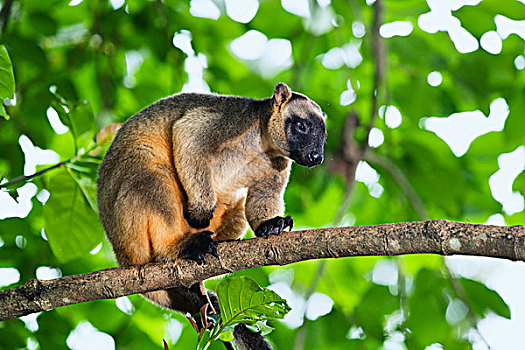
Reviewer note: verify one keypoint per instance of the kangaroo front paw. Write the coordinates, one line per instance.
(198, 218)
(274, 226)
(196, 247)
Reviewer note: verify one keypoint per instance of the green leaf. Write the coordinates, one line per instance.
(241, 300)
(7, 78)
(263, 328)
(135, 6)
(3, 112)
(84, 172)
(204, 340)
(226, 336)
(14, 335)
(71, 225)
(150, 322)
(375, 305)
(427, 309)
(82, 122)
(78, 117)
(43, 23)
(481, 299)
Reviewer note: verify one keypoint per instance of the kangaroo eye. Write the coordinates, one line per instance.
(301, 127)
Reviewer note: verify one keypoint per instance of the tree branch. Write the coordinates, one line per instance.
(437, 237)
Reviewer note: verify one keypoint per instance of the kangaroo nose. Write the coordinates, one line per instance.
(315, 157)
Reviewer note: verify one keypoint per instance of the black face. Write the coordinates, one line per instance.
(306, 137)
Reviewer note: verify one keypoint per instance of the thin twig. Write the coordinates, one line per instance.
(401, 180)
(351, 155)
(4, 14)
(460, 292)
(378, 49)
(29, 177)
(58, 165)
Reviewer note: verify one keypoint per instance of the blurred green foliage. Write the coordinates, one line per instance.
(73, 58)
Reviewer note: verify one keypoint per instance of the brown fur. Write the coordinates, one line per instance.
(203, 153)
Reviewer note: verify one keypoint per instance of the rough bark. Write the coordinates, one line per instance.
(436, 237)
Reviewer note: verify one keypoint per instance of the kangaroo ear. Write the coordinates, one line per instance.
(281, 96)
